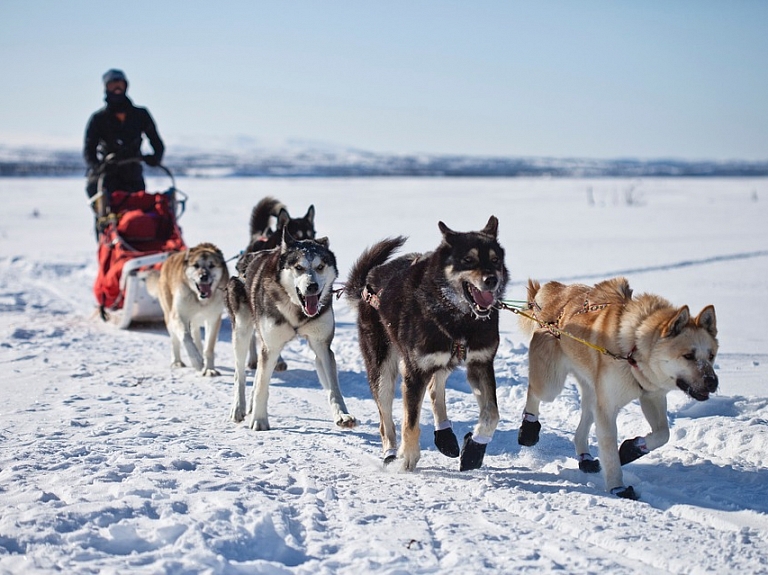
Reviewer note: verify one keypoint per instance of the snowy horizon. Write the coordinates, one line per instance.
(243, 156)
(244, 144)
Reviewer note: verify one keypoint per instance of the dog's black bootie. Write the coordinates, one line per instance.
(446, 442)
(589, 465)
(632, 449)
(472, 454)
(528, 434)
(625, 493)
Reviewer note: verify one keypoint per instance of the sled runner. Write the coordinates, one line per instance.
(136, 233)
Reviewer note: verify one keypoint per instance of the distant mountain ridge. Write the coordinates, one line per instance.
(312, 161)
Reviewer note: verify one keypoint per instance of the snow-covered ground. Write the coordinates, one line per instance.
(112, 462)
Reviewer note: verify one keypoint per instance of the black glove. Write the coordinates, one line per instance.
(151, 160)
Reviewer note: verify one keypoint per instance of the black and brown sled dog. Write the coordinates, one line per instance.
(268, 219)
(426, 314)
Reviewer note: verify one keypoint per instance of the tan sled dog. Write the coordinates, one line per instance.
(643, 349)
(190, 289)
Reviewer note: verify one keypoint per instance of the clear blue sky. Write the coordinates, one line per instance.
(593, 79)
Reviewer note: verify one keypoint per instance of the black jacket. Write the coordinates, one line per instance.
(105, 134)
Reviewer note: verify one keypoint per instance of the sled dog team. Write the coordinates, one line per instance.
(419, 317)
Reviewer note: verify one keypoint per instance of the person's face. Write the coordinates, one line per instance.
(116, 87)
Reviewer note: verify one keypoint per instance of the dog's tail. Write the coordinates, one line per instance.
(236, 298)
(374, 256)
(152, 282)
(528, 325)
(267, 208)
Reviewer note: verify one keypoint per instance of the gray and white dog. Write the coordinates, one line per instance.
(268, 212)
(285, 291)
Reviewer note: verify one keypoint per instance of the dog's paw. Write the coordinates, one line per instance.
(178, 363)
(472, 454)
(528, 434)
(210, 372)
(259, 424)
(589, 464)
(625, 493)
(346, 421)
(253, 364)
(237, 414)
(632, 449)
(410, 458)
(281, 365)
(389, 456)
(446, 442)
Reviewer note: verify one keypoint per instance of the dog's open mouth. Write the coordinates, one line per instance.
(697, 394)
(204, 290)
(481, 301)
(310, 304)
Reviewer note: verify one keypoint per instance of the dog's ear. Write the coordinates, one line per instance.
(310, 217)
(323, 241)
(707, 320)
(286, 242)
(447, 232)
(283, 218)
(677, 323)
(492, 227)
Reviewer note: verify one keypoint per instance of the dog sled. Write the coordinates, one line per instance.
(136, 233)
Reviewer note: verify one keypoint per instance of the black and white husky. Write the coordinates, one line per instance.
(426, 314)
(268, 220)
(285, 291)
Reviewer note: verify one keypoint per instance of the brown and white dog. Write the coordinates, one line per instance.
(191, 289)
(644, 348)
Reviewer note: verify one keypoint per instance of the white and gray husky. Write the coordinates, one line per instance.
(285, 291)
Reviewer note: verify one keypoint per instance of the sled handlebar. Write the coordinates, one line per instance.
(111, 160)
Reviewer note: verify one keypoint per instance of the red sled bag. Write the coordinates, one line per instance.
(140, 224)
(137, 226)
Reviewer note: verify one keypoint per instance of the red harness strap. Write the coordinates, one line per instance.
(371, 297)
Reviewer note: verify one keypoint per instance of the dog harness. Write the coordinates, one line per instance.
(459, 349)
(554, 329)
(371, 297)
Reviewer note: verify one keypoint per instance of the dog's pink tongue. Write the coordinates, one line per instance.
(482, 298)
(205, 290)
(311, 303)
